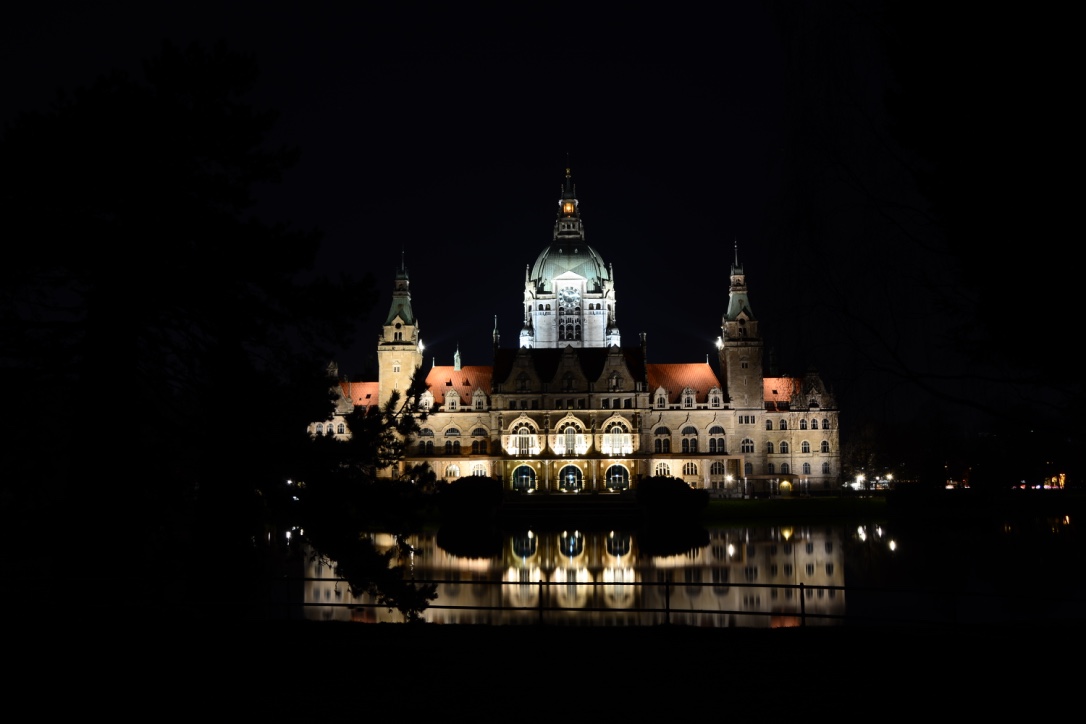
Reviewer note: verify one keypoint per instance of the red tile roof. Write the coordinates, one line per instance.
(362, 394)
(781, 389)
(676, 377)
(443, 379)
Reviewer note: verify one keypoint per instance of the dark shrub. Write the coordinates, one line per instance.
(670, 497)
(475, 495)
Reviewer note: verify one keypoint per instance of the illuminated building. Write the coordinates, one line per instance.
(571, 410)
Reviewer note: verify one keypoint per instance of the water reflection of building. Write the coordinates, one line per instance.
(744, 577)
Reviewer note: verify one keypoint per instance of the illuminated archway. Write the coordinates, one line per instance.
(524, 479)
(570, 479)
(618, 478)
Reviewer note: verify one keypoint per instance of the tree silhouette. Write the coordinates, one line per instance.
(163, 347)
(338, 496)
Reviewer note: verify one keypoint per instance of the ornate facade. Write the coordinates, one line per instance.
(572, 410)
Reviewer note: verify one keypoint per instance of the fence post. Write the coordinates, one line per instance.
(667, 598)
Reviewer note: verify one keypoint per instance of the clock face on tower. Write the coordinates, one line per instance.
(569, 297)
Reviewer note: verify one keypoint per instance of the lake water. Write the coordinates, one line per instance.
(877, 572)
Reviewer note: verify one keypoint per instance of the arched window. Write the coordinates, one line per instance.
(825, 468)
(785, 469)
(661, 402)
(784, 424)
(524, 440)
(748, 469)
(341, 429)
(663, 470)
(806, 468)
(769, 448)
(814, 424)
(825, 424)
(825, 447)
(768, 424)
(690, 469)
(452, 471)
(747, 445)
(784, 447)
(805, 447)
(716, 443)
(690, 439)
(426, 442)
(802, 424)
(616, 440)
(770, 469)
(524, 479)
(570, 479)
(617, 478)
(717, 468)
(320, 428)
(479, 470)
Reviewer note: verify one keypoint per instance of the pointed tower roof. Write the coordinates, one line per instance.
(738, 301)
(401, 297)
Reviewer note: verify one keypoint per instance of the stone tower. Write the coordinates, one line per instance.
(741, 347)
(399, 349)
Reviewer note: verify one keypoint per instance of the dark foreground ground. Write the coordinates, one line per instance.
(309, 671)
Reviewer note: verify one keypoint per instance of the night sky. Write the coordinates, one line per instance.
(441, 137)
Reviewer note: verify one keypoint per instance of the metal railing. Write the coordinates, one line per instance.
(655, 603)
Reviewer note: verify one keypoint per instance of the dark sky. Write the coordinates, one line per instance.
(442, 136)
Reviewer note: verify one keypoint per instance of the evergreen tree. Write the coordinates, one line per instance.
(163, 347)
